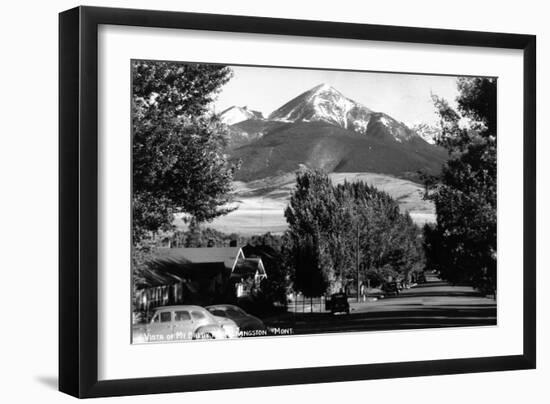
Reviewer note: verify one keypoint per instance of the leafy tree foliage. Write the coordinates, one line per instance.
(332, 229)
(462, 244)
(198, 235)
(273, 289)
(141, 255)
(177, 155)
(309, 218)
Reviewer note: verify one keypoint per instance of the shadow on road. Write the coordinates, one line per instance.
(398, 318)
(430, 305)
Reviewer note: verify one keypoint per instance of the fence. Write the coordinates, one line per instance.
(302, 304)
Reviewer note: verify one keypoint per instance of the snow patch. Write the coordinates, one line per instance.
(330, 105)
(427, 132)
(236, 114)
(385, 122)
(360, 125)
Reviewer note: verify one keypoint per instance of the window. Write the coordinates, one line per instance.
(156, 318)
(165, 317)
(234, 313)
(219, 313)
(182, 316)
(197, 315)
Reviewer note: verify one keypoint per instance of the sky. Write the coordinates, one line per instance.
(405, 97)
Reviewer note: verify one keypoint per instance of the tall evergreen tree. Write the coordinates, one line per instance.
(194, 236)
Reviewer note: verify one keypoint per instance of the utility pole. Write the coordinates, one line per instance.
(357, 264)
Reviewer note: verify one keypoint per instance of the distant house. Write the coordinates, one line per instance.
(199, 276)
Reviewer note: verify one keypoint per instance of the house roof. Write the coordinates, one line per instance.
(160, 273)
(174, 264)
(199, 255)
(248, 266)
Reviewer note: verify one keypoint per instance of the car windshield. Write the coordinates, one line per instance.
(182, 316)
(226, 311)
(198, 315)
(233, 312)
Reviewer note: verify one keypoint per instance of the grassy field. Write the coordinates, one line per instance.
(261, 203)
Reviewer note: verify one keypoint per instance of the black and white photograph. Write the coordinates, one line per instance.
(272, 202)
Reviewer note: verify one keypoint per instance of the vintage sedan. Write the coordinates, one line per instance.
(249, 325)
(390, 288)
(184, 322)
(338, 303)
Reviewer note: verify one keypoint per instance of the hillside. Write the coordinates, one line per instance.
(284, 146)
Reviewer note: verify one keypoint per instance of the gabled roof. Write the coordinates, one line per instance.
(249, 266)
(172, 265)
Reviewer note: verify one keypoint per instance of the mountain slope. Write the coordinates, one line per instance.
(245, 132)
(283, 148)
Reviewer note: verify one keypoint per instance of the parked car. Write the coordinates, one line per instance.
(390, 288)
(249, 325)
(338, 303)
(184, 322)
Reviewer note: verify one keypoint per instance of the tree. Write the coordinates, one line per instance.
(194, 236)
(309, 217)
(141, 255)
(177, 152)
(343, 234)
(310, 278)
(273, 289)
(388, 240)
(462, 244)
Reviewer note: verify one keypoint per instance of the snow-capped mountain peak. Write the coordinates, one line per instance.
(324, 88)
(323, 103)
(326, 104)
(235, 114)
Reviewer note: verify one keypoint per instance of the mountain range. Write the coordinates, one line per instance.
(322, 128)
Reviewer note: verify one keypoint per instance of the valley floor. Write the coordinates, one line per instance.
(261, 203)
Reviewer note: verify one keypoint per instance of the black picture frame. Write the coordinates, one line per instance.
(78, 201)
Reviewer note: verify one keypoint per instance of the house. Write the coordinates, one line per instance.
(198, 276)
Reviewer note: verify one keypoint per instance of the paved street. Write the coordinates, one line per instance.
(432, 304)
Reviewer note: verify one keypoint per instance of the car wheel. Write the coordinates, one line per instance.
(203, 335)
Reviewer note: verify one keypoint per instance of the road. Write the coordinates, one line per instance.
(429, 305)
